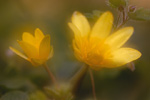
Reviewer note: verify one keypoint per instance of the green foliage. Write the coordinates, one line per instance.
(63, 93)
(38, 95)
(97, 13)
(140, 14)
(94, 15)
(15, 95)
(117, 3)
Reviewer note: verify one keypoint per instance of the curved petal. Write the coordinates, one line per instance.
(77, 51)
(77, 33)
(37, 62)
(29, 50)
(39, 34)
(18, 53)
(44, 49)
(103, 26)
(81, 23)
(51, 52)
(27, 37)
(124, 55)
(118, 38)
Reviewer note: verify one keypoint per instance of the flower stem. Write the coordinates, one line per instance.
(117, 22)
(50, 75)
(122, 19)
(93, 84)
(119, 26)
(77, 78)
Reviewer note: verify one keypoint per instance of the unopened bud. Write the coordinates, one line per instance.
(132, 9)
(121, 8)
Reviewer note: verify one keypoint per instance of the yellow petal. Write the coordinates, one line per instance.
(18, 53)
(124, 55)
(37, 62)
(77, 52)
(81, 23)
(51, 53)
(77, 33)
(27, 37)
(103, 26)
(44, 49)
(118, 38)
(29, 50)
(39, 34)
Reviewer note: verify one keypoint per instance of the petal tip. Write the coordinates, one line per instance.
(130, 29)
(47, 36)
(37, 29)
(139, 54)
(108, 13)
(10, 48)
(76, 13)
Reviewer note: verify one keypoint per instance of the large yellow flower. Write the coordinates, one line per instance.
(37, 48)
(97, 47)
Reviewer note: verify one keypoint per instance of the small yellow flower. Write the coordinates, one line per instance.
(37, 48)
(97, 47)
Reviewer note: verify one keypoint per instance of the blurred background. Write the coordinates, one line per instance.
(52, 16)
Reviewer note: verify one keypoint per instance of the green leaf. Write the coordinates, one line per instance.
(63, 93)
(15, 95)
(97, 13)
(88, 15)
(53, 93)
(94, 15)
(140, 14)
(38, 95)
(117, 3)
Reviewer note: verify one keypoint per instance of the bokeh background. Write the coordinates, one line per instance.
(52, 16)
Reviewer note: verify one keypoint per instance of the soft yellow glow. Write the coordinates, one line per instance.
(37, 48)
(97, 47)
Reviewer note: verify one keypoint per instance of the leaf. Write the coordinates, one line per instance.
(15, 95)
(63, 93)
(140, 14)
(88, 15)
(97, 13)
(38, 95)
(117, 3)
(94, 15)
(52, 92)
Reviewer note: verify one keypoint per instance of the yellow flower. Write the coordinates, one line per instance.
(97, 47)
(37, 48)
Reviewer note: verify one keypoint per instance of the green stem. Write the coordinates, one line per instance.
(50, 75)
(93, 84)
(77, 78)
(117, 22)
(123, 23)
(123, 20)
(124, 15)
